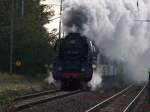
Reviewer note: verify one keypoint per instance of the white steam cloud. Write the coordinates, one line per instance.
(96, 80)
(52, 82)
(50, 79)
(113, 26)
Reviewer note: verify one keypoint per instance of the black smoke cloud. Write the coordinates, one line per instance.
(76, 18)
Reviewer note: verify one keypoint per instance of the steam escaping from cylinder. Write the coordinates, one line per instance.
(95, 83)
(51, 81)
(114, 26)
(96, 80)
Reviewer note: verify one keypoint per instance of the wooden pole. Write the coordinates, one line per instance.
(60, 22)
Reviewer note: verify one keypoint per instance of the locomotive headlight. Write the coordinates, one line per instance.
(94, 66)
(83, 70)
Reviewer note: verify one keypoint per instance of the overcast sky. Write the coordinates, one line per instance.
(55, 23)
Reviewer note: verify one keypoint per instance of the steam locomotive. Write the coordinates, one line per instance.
(75, 61)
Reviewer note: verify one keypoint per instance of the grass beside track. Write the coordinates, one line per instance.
(14, 85)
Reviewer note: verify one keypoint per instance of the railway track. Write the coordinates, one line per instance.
(33, 99)
(123, 101)
(35, 94)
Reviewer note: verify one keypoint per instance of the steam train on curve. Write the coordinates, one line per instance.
(75, 61)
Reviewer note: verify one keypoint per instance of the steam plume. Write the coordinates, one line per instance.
(113, 26)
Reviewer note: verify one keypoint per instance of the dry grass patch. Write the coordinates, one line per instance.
(17, 85)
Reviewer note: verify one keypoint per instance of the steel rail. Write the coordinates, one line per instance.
(130, 106)
(26, 104)
(36, 94)
(105, 102)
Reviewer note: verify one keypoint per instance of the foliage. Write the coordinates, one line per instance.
(31, 40)
(12, 86)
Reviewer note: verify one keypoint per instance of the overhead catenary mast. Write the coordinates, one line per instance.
(60, 25)
(60, 22)
(22, 8)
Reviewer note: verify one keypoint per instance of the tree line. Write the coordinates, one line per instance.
(33, 44)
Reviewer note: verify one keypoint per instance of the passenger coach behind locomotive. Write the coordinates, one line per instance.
(76, 55)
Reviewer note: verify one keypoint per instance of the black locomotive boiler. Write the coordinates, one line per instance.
(75, 61)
